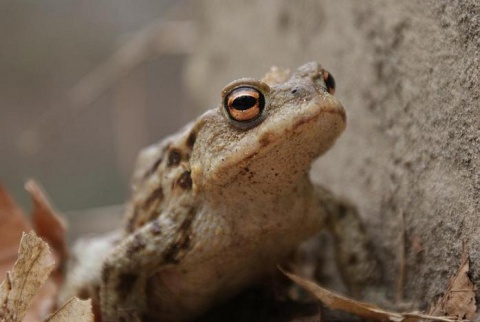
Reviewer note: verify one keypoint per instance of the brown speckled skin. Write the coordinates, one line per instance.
(214, 207)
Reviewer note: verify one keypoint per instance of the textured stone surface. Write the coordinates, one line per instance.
(408, 74)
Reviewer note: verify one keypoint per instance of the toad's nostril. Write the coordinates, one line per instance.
(297, 90)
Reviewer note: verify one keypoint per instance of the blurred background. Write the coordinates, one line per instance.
(67, 117)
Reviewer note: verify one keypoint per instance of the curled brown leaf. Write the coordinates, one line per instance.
(365, 310)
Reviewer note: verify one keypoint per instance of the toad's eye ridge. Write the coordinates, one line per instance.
(244, 104)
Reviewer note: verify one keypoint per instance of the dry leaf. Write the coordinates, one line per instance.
(48, 224)
(12, 225)
(459, 298)
(28, 285)
(31, 270)
(73, 310)
(50, 227)
(364, 310)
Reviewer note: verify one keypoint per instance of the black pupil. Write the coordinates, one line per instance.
(244, 102)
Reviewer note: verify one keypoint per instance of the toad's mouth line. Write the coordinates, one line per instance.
(269, 137)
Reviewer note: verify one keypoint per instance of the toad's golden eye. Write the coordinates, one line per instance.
(244, 104)
(329, 82)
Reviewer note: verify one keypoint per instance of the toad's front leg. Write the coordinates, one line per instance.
(354, 254)
(140, 255)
